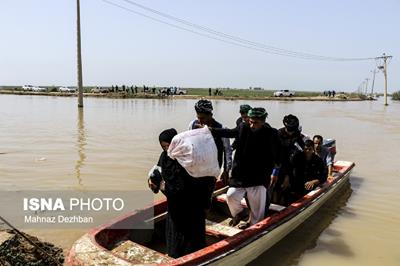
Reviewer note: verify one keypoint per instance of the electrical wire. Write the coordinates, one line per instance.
(185, 29)
(231, 39)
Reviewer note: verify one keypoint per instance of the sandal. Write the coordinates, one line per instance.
(244, 225)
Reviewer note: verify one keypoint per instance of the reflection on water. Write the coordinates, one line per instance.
(81, 143)
(289, 250)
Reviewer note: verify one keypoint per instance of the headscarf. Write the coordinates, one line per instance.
(203, 106)
(167, 135)
(244, 108)
(257, 112)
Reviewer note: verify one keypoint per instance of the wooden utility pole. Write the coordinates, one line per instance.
(366, 86)
(373, 81)
(384, 69)
(79, 55)
(360, 87)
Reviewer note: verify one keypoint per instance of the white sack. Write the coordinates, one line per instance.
(196, 151)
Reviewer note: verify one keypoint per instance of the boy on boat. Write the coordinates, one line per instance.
(308, 171)
(324, 154)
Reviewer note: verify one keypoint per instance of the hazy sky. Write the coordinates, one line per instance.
(38, 43)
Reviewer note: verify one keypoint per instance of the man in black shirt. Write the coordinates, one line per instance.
(244, 109)
(204, 114)
(244, 118)
(255, 165)
(308, 170)
(292, 142)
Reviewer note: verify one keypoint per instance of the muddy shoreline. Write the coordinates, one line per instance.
(154, 96)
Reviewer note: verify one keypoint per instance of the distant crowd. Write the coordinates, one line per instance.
(330, 93)
(164, 91)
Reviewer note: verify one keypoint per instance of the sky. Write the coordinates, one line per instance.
(119, 46)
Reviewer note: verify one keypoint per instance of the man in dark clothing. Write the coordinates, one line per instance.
(244, 118)
(292, 142)
(204, 115)
(185, 228)
(308, 171)
(255, 165)
(324, 154)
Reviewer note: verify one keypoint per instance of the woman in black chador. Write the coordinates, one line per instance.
(185, 226)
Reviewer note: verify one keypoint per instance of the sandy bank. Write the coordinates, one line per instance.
(153, 96)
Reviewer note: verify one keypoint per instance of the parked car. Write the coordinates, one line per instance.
(173, 91)
(284, 93)
(27, 88)
(181, 91)
(39, 89)
(100, 90)
(67, 89)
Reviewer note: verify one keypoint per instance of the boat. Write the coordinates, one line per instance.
(225, 245)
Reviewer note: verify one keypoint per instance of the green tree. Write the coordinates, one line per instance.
(396, 96)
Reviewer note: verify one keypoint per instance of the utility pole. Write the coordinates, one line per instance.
(366, 86)
(359, 91)
(373, 81)
(384, 69)
(79, 55)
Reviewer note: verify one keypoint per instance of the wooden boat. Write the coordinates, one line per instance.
(226, 245)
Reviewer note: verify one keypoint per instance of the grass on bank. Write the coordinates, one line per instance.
(246, 93)
(396, 96)
(204, 92)
(86, 89)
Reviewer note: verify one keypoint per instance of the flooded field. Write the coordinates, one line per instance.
(47, 144)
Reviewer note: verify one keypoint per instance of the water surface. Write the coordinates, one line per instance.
(46, 144)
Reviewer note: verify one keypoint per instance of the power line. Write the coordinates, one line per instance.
(235, 38)
(231, 39)
(189, 30)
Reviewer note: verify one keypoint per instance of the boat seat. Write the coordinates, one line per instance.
(139, 254)
(221, 229)
(272, 206)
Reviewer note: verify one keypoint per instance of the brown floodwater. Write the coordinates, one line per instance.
(46, 144)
